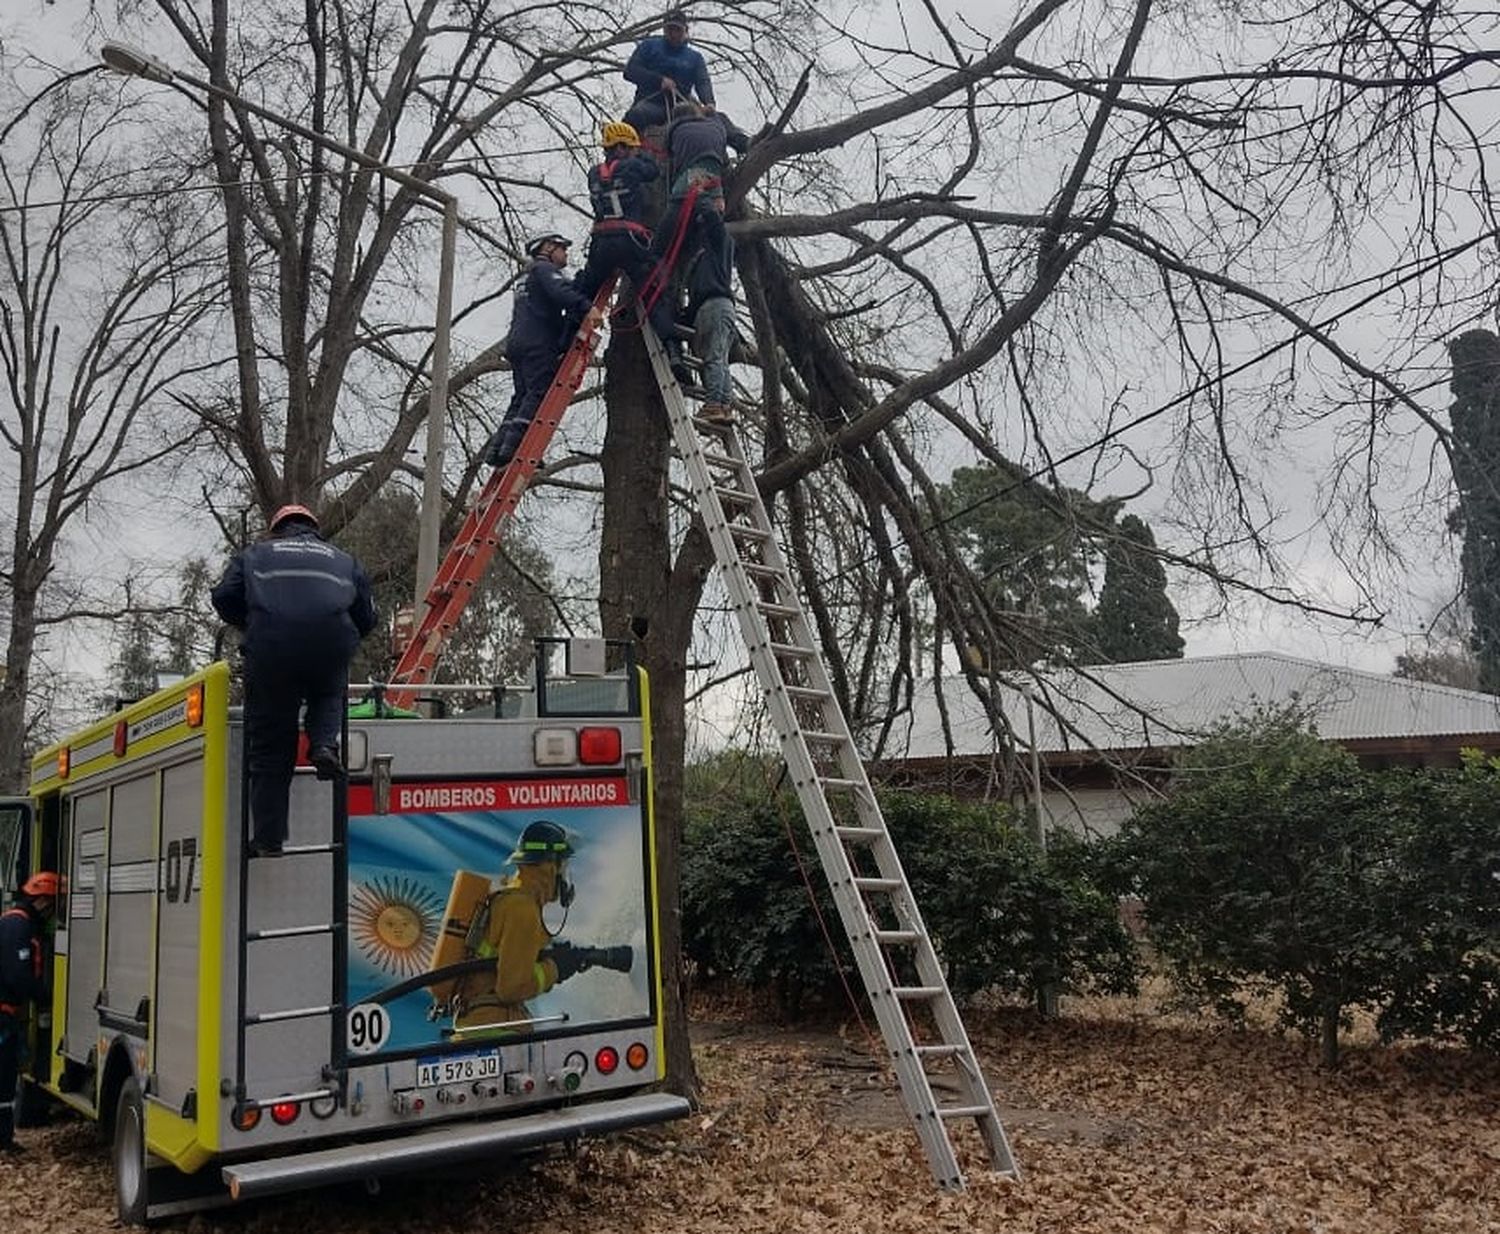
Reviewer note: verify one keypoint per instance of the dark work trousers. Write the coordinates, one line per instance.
(531, 373)
(11, 1031)
(631, 256)
(275, 690)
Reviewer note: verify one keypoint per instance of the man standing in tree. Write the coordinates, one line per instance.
(667, 71)
(303, 606)
(710, 306)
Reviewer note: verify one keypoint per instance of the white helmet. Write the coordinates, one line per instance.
(535, 243)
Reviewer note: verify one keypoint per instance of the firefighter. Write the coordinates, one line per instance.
(547, 309)
(511, 930)
(20, 983)
(621, 239)
(304, 606)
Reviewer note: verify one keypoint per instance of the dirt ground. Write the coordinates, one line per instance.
(1122, 1121)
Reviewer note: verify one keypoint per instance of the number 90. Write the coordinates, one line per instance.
(368, 1028)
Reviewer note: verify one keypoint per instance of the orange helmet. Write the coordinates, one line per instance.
(292, 511)
(42, 883)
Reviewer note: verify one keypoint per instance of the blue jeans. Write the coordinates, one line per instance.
(713, 335)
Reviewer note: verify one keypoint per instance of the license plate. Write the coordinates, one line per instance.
(458, 1068)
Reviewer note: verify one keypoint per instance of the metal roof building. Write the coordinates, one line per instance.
(1105, 734)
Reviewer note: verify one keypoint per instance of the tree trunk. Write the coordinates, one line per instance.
(636, 580)
(19, 649)
(1330, 1033)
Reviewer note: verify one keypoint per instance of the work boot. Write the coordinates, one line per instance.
(12, 1149)
(717, 413)
(326, 760)
(502, 447)
(259, 848)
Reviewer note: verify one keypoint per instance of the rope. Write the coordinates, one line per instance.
(877, 1046)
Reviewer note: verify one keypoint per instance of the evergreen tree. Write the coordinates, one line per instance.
(134, 669)
(1135, 619)
(1028, 545)
(1476, 472)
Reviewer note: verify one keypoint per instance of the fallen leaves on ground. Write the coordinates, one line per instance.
(1121, 1122)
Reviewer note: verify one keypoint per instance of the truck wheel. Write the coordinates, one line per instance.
(130, 1154)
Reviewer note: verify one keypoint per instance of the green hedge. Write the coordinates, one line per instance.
(1002, 915)
(1278, 863)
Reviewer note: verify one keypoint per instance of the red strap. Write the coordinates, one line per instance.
(606, 226)
(607, 171)
(661, 274)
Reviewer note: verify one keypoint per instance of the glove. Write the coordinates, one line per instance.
(568, 959)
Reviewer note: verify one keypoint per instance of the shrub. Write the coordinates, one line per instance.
(1001, 915)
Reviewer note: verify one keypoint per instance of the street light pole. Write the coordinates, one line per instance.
(135, 63)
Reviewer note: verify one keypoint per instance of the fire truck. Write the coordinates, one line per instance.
(241, 1025)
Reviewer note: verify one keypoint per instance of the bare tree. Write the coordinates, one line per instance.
(1107, 244)
(105, 276)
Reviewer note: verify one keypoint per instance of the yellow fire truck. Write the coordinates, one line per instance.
(245, 1025)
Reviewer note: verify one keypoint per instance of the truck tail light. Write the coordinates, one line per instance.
(598, 745)
(606, 1060)
(284, 1113)
(636, 1056)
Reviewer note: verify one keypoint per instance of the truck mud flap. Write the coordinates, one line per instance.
(453, 1142)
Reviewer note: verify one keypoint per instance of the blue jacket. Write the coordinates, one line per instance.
(20, 959)
(655, 58)
(615, 190)
(547, 304)
(297, 598)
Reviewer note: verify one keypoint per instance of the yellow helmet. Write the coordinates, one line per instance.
(618, 133)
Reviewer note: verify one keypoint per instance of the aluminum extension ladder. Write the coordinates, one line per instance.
(469, 555)
(895, 955)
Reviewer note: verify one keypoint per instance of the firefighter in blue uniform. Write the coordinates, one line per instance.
(547, 310)
(621, 239)
(21, 982)
(304, 606)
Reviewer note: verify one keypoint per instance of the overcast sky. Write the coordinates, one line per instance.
(153, 526)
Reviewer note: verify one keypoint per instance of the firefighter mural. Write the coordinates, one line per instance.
(496, 910)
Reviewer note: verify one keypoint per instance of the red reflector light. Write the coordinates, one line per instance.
(598, 745)
(607, 1060)
(284, 1113)
(246, 1118)
(635, 1056)
(121, 732)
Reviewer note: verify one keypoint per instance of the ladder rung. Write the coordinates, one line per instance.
(295, 1013)
(890, 938)
(827, 739)
(811, 693)
(938, 1051)
(964, 1111)
(734, 496)
(772, 609)
(840, 782)
(749, 531)
(792, 649)
(308, 850)
(256, 936)
(756, 570)
(720, 460)
(877, 884)
(859, 833)
(915, 993)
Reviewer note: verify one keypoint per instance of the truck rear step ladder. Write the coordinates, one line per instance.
(337, 848)
(894, 952)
